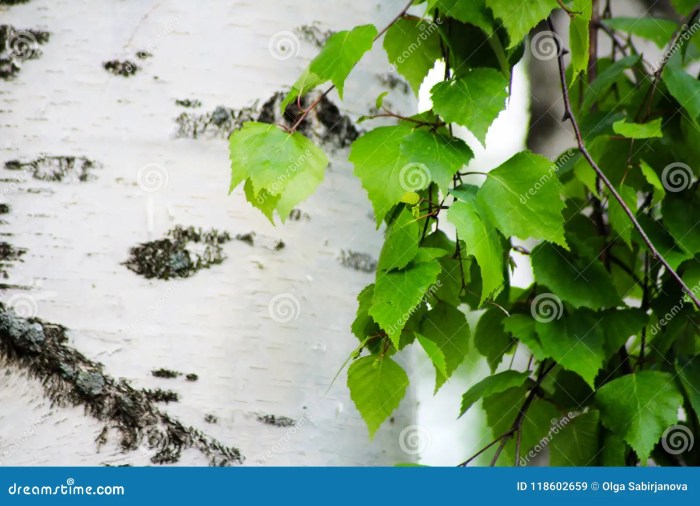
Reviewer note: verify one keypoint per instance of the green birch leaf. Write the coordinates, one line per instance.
(639, 407)
(473, 100)
(413, 46)
(659, 31)
(397, 295)
(494, 384)
(680, 216)
(490, 339)
(521, 17)
(638, 130)
(524, 329)
(684, 88)
(442, 155)
(447, 327)
(401, 243)
(653, 179)
(364, 326)
(286, 167)
(334, 62)
(689, 374)
(684, 7)
(522, 198)
(437, 357)
(619, 220)
(576, 281)
(579, 37)
(482, 242)
(606, 79)
(576, 343)
(386, 174)
(377, 386)
(577, 443)
(473, 12)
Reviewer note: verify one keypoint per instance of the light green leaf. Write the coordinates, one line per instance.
(522, 198)
(385, 172)
(447, 327)
(473, 12)
(334, 62)
(689, 373)
(502, 410)
(684, 88)
(638, 130)
(490, 339)
(473, 100)
(579, 282)
(494, 384)
(521, 17)
(443, 155)
(377, 386)
(619, 220)
(363, 326)
(659, 31)
(680, 215)
(577, 442)
(579, 36)
(619, 325)
(640, 407)
(684, 7)
(401, 243)
(397, 295)
(413, 45)
(606, 79)
(576, 343)
(483, 242)
(653, 179)
(524, 329)
(277, 164)
(437, 357)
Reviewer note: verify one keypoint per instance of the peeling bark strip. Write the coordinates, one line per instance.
(56, 168)
(181, 254)
(69, 378)
(16, 46)
(326, 124)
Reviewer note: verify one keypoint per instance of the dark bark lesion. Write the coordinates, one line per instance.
(70, 378)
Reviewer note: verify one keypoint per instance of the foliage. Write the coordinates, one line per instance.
(610, 323)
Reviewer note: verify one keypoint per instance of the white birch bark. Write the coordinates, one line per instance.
(215, 324)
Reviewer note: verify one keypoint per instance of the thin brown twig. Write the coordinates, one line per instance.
(601, 175)
(332, 87)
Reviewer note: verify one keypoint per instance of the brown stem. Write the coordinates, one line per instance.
(601, 175)
(332, 87)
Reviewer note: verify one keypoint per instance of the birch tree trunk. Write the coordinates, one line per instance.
(254, 340)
